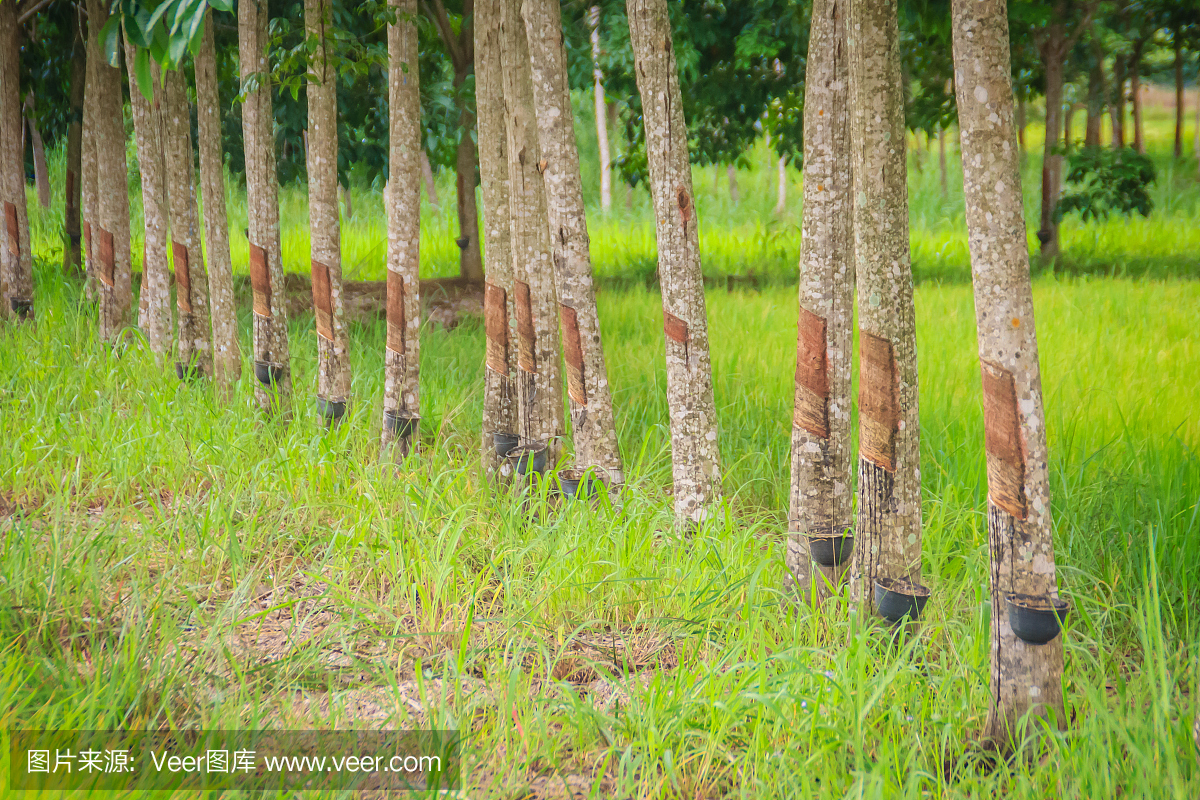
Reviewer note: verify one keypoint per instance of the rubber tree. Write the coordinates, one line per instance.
(88, 202)
(1023, 677)
(402, 354)
(499, 399)
(16, 258)
(601, 107)
(37, 146)
(820, 496)
(538, 373)
(194, 333)
(110, 233)
(154, 299)
(695, 457)
(271, 347)
(888, 526)
(227, 356)
(333, 355)
(588, 395)
(72, 260)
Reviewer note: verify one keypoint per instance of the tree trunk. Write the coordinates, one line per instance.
(154, 303)
(470, 264)
(1196, 139)
(16, 259)
(227, 355)
(588, 395)
(88, 198)
(820, 496)
(499, 399)
(1177, 34)
(1096, 94)
(942, 163)
(427, 175)
(1118, 108)
(1068, 115)
(1021, 122)
(271, 351)
(601, 107)
(1135, 89)
(71, 222)
(781, 185)
(111, 232)
(1023, 677)
(333, 356)
(1052, 61)
(731, 173)
(402, 355)
(194, 348)
(539, 380)
(695, 456)
(888, 529)
(41, 173)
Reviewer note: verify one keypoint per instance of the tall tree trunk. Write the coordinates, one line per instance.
(820, 496)
(539, 379)
(1177, 34)
(227, 355)
(1052, 61)
(1021, 122)
(154, 305)
(466, 159)
(41, 173)
(1118, 107)
(888, 529)
(731, 173)
(781, 185)
(333, 356)
(1096, 93)
(1023, 677)
(1068, 115)
(71, 188)
(942, 163)
(194, 348)
(16, 259)
(111, 232)
(601, 107)
(427, 176)
(588, 395)
(695, 456)
(88, 198)
(271, 350)
(499, 399)
(1135, 89)
(401, 362)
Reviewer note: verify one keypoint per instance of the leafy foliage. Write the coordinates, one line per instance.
(1105, 181)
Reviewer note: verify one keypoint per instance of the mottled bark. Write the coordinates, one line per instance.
(1023, 677)
(1118, 105)
(538, 373)
(16, 259)
(401, 390)
(695, 456)
(154, 302)
(820, 496)
(194, 335)
(888, 529)
(37, 146)
(466, 160)
(588, 395)
(333, 356)
(601, 108)
(500, 394)
(88, 201)
(262, 204)
(227, 356)
(110, 233)
(71, 188)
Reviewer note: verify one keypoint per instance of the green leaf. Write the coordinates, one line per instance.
(110, 35)
(141, 70)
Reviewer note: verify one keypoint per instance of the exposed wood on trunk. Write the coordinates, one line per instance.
(154, 301)
(72, 260)
(333, 356)
(1023, 676)
(16, 258)
(194, 334)
(888, 529)
(499, 400)
(589, 398)
(538, 373)
(601, 109)
(401, 389)
(820, 495)
(262, 204)
(112, 192)
(227, 355)
(41, 173)
(695, 457)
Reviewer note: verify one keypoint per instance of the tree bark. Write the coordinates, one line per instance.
(1135, 89)
(695, 456)
(1021, 122)
(1096, 93)
(333, 356)
(227, 355)
(402, 355)
(194, 338)
(942, 163)
(820, 496)
(41, 173)
(499, 400)
(588, 395)
(465, 163)
(88, 199)
(71, 189)
(539, 379)
(1023, 677)
(781, 185)
(1053, 55)
(154, 304)
(888, 529)
(1177, 35)
(601, 107)
(111, 233)
(731, 173)
(427, 172)
(16, 277)
(271, 348)
(1118, 107)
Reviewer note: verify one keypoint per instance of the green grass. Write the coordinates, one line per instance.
(169, 560)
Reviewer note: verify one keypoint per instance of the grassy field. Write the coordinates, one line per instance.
(168, 560)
